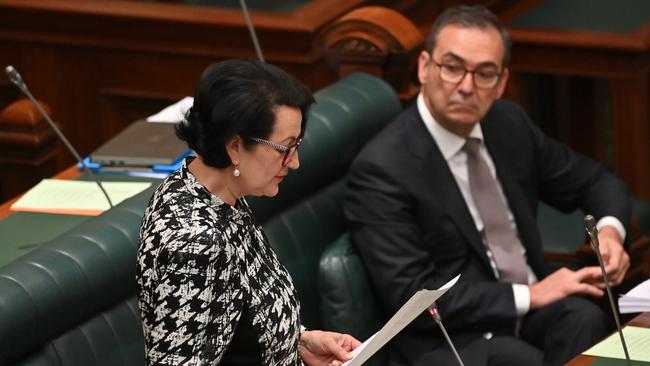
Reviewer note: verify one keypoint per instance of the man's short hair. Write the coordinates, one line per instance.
(465, 16)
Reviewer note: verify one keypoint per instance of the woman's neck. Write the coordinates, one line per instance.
(219, 182)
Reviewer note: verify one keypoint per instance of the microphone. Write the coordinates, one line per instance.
(433, 310)
(592, 232)
(15, 78)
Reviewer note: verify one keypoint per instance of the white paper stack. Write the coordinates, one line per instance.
(637, 300)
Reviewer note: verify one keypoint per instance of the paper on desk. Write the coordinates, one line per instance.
(405, 315)
(636, 300)
(174, 113)
(74, 197)
(636, 338)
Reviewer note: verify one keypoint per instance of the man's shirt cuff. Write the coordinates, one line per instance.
(522, 298)
(614, 222)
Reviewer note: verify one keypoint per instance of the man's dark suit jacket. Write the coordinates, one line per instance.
(413, 230)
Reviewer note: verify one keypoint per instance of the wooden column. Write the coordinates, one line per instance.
(28, 148)
(376, 40)
(631, 131)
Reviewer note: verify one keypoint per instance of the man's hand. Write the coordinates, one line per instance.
(615, 259)
(565, 282)
(318, 348)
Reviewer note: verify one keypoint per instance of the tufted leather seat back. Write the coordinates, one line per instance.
(67, 298)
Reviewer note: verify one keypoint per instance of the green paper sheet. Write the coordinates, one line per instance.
(75, 197)
(636, 338)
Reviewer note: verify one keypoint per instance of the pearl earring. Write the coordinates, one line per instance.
(236, 172)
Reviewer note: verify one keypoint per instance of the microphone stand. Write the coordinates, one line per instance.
(590, 227)
(251, 30)
(15, 78)
(433, 310)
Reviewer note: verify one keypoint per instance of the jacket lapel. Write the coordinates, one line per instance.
(435, 172)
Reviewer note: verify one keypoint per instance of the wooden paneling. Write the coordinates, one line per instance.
(622, 62)
(102, 64)
(27, 147)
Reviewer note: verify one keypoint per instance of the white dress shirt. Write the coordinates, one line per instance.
(450, 146)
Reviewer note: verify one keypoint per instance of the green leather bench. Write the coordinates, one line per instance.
(72, 301)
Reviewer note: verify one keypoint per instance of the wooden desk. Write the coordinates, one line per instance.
(642, 320)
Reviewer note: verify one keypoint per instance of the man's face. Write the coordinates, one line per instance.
(458, 106)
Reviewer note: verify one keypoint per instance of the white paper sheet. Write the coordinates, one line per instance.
(405, 315)
(174, 113)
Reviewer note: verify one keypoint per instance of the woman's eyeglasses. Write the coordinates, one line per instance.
(288, 151)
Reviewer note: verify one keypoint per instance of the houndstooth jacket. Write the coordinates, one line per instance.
(201, 264)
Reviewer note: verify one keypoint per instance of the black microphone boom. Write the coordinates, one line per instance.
(592, 232)
(15, 78)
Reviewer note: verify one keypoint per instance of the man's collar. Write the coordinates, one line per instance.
(449, 143)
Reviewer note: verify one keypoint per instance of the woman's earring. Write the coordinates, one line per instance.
(236, 172)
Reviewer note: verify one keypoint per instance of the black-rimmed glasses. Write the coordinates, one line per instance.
(483, 77)
(288, 151)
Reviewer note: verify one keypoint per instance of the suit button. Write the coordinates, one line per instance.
(487, 335)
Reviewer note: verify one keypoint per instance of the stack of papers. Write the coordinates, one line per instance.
(637, 300)
(74, 197)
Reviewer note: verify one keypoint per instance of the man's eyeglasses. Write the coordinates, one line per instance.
(484, 77)
(288, 151)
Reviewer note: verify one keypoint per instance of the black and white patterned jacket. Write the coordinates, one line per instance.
(205, 268)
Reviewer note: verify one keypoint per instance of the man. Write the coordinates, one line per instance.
(452, 186)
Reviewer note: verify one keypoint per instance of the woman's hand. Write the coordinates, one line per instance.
(318, 348)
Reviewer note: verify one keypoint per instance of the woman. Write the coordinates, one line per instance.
(211, 289)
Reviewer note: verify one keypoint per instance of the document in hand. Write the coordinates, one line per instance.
(418, 303)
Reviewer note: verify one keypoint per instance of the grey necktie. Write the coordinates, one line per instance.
(500, 235)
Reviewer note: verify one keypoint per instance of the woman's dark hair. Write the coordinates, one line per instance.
(237, 97)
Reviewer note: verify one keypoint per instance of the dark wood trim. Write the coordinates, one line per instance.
(376, 40)
(631, 131)
(578, 39)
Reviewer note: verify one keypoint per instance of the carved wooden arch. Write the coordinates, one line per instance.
(376, 40)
